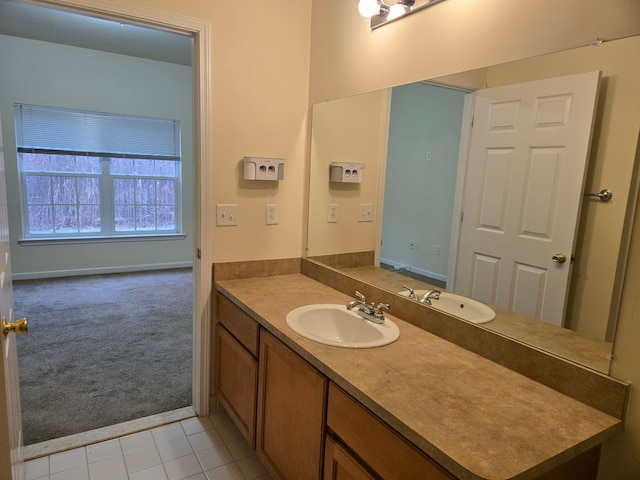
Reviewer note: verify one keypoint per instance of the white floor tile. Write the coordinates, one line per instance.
(168, 432)
(196, 425)
(36, 468)
(183, 467)
(225, 472)
(104, 450)
(176, 448)
(78, 473)
(204, 440)
(240, 449)
(67, 460)
(137, 441)
(251, 467)
(199, 476)
(220, 418)
(209, 448)
(142, 459)
(153, 473)
(229, 432)
(108, 469)
(214, 457)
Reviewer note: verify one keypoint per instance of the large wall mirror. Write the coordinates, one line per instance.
(402, 224)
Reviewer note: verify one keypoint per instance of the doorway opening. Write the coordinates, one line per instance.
(195, 30)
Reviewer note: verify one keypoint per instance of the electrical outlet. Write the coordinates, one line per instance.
(332, 214)
(365, 212)
(272, 214)
(413, 245)
(436, 250)
(226, 214)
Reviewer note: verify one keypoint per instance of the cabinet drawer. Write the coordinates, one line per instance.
(241, 325)
(382, 449)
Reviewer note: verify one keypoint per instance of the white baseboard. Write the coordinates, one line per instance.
(410, 268)
(99, 270)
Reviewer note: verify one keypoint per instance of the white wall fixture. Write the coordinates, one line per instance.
(259, 168)
(382, 12)
(347, 172)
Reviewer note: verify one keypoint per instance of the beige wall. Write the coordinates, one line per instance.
(260, 83)
(452, 36)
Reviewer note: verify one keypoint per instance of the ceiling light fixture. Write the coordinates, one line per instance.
(381, 12)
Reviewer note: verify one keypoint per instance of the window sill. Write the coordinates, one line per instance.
(113, 239)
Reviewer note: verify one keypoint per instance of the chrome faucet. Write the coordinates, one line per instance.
(412, 293)
(368, 311)
(430, 294)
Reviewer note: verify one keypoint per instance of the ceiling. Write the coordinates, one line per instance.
(26, 20)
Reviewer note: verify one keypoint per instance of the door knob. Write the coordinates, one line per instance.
(20, 326)
(559, 258)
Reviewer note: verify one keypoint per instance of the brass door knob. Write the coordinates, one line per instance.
(20, 326)
(559, 258)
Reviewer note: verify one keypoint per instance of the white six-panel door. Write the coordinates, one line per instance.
(523, 190)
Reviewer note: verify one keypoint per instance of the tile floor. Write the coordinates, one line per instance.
(209, 448)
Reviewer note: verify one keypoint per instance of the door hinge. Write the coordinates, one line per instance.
(198, 253)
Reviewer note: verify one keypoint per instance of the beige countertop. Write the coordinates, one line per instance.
(476, 418)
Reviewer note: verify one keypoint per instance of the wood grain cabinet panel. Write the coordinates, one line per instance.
(291, 412)
(239, 323)
(388, 454)
(237, 382)
(339, 464)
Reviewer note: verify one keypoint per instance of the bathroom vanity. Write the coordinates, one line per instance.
(420, 407)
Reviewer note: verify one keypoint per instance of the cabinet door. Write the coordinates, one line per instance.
(339, 464)
(237, 381)
(291, 406)
(376, 444)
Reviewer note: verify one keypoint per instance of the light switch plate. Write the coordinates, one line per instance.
(226, 214)
(365, 212)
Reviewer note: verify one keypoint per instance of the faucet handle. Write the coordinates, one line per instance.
(382, 306)
(412, 293)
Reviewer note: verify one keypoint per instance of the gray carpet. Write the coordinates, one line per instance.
(103, 349)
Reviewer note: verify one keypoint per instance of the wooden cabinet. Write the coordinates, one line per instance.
(339, 464)
(304, 427)
(378, 446)
(291, 412)
(237, 366)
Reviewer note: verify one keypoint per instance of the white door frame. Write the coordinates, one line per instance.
(200, 30)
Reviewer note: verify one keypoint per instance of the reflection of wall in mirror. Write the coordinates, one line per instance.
(347, 130)
(593, 295)
(422, 161)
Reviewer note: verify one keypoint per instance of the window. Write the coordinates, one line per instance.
(89, 174)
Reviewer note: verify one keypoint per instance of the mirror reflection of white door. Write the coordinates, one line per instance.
(523, 191)
(10, 419)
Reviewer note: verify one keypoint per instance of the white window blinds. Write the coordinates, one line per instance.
(52, 129)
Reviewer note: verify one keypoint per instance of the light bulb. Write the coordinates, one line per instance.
(397, 10)
(368, 8)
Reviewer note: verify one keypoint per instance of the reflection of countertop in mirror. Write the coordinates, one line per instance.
(476, 418)
(590, 352)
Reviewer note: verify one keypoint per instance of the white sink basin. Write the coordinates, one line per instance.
(332, 324)
(462, 307)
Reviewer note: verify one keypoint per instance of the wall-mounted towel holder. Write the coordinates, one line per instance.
(605, 195)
